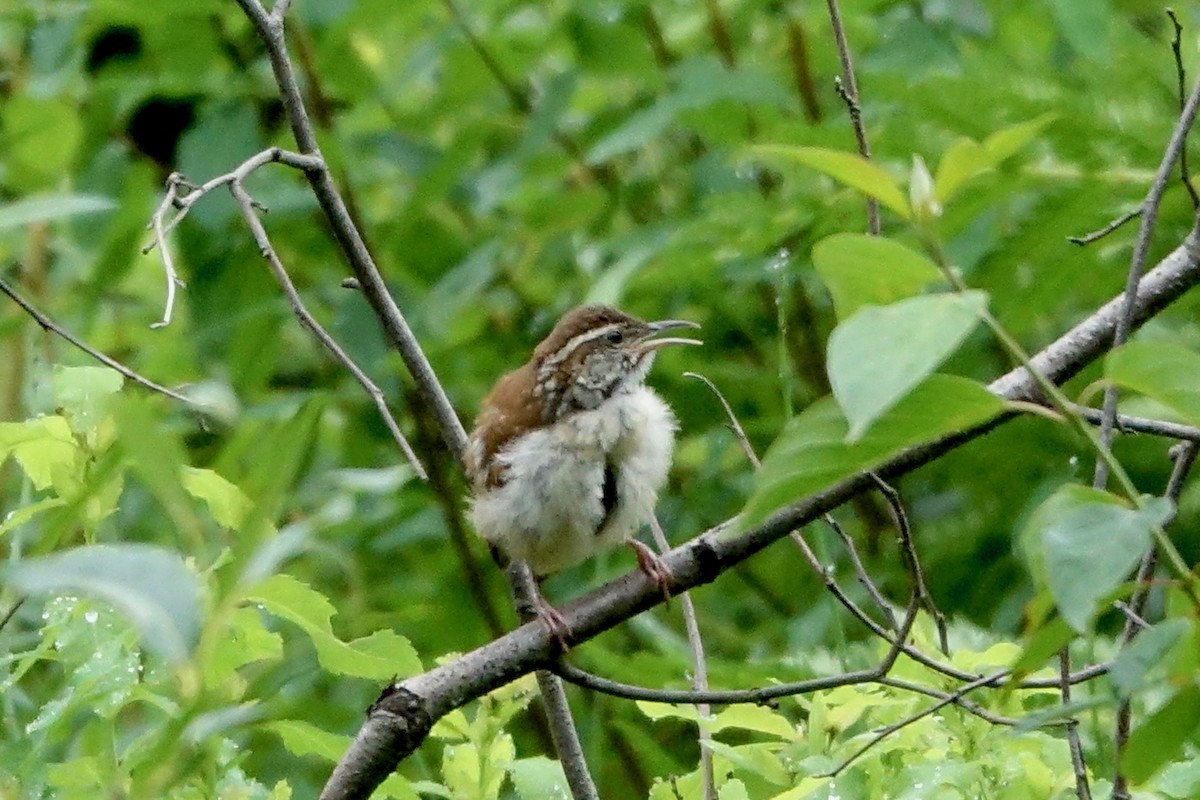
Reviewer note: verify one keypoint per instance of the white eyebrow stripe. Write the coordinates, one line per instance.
(571, 346)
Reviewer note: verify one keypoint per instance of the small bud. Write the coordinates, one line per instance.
(921, 194)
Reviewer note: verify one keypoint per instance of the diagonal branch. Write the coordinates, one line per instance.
(399, 722)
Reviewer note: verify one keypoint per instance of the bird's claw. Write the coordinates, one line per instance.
(655, 568)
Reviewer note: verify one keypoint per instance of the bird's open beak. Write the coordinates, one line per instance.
(648, 345)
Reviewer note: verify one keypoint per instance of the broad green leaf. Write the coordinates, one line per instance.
(379, 656)
(39, 137)
(754, 718)
(848, 168)
(755, 758)
(870, 270)
(1162, 371)
(45, 449)
(1042, 645)
(1160, 738)
(538, 778)
(226, 502)
(1007, 141)
(151, 586)
(245, 640)
(83, 394)
(305, 739)
(963, 160)
(733, 790)
(47, 207)
(15, 519)
(1082, 543)
(878, 355)
(1151, 646)
(812, 453)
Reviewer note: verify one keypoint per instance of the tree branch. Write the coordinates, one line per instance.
(701, 560)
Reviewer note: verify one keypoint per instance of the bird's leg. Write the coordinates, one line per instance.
(655, 568)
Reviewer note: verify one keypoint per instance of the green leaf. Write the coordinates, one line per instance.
(963, 160)
(47, 207)
(305, 739)
(1148, 650)
(226, 502)
(1008, 141)
(878, 355)
(149, 585)
(1082, 543)
(848, 168)
(812, 453)
(1161, 738)
(870, 270)
(1162, 371)
(45, 449)
(39, 137)
(379, 656)
(1085, 25)
(83, 394)
(539, 778)
(1042, 645)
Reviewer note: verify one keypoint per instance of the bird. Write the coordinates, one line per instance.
(570, 450)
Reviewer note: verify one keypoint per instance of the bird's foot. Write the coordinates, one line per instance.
(655, 568)
(554, 621)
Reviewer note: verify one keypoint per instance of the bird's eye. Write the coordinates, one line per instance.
(615, 337)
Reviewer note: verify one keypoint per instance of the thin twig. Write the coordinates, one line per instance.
(740, 434)
(53, 327)
(1155, 427)
(847, 89)
(1137, 263)
(156, 222)
(554, 696)
(762, 695)
(734, 426)
(699, 670)
(864, 578)
(8, 615)
(259, 232)
(1180, 81)
(966, 705)
(1184, 456)
(883, 733)
(908, 553)
(1078, 765)
(1100, 233)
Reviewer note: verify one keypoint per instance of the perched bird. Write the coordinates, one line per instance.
(570, 450)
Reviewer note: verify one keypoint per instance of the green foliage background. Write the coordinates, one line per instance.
(612, 167)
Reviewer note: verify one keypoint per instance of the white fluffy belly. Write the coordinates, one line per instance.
(550, 508)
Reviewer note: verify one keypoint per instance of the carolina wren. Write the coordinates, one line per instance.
(570, 449)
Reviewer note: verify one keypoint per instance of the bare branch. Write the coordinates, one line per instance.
(864, 578)
(1078, 765)
(908, 553)
(761, 696)
(847, 89)
(1180, 81)
(699, 669)
(1137, 262)
(883, 733)
(53, 327)
(310, 322)
(1100, 233)
(1184, 456)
